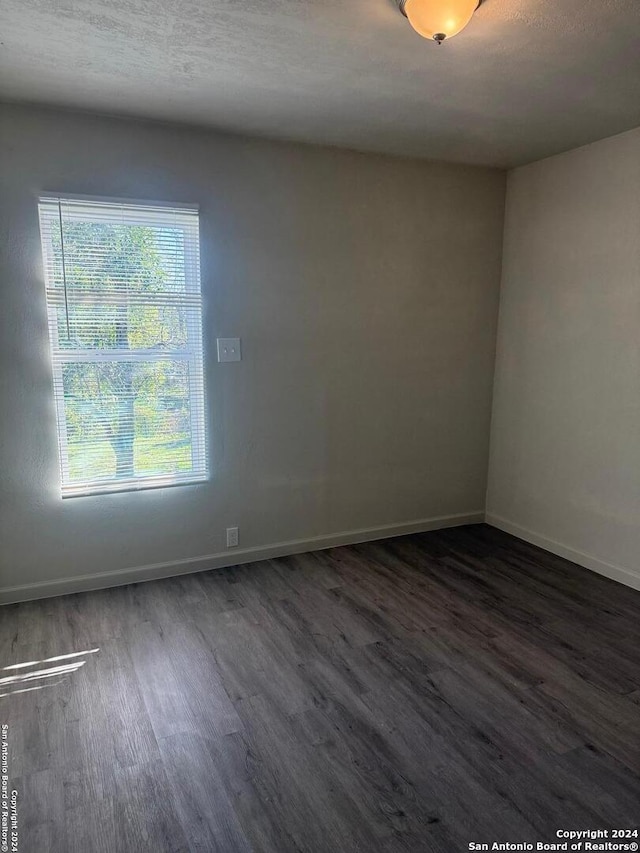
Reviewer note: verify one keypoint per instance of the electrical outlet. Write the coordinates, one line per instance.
(232, 537)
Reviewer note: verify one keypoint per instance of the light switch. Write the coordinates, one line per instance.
(229, 349)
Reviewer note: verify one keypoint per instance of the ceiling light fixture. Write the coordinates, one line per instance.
(438, 19)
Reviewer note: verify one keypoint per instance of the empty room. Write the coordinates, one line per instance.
(319, 426)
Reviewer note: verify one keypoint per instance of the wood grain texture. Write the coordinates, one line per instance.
(400, 696)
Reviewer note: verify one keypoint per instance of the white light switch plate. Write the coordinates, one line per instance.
(229, 349)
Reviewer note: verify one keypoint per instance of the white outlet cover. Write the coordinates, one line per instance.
(229, 349)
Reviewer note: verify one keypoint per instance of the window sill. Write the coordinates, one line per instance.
(111, 487)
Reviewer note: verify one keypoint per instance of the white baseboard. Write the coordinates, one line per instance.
(616, 573)
(155, 571)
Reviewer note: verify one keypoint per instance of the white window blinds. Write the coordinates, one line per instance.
(125, 324)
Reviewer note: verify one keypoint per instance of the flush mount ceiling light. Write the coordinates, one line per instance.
(438, 19)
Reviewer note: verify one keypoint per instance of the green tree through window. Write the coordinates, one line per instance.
(124, 312)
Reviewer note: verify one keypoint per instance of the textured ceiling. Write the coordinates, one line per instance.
(526, 79)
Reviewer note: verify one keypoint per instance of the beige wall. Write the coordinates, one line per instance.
(365, 291)
(565, 448)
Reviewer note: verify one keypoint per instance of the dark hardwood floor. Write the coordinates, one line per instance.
(415, 694)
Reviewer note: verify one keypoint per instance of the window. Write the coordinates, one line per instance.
(125, 325)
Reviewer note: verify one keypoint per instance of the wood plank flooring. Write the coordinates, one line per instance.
(409, 695)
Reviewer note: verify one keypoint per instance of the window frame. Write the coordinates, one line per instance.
(192, 354)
